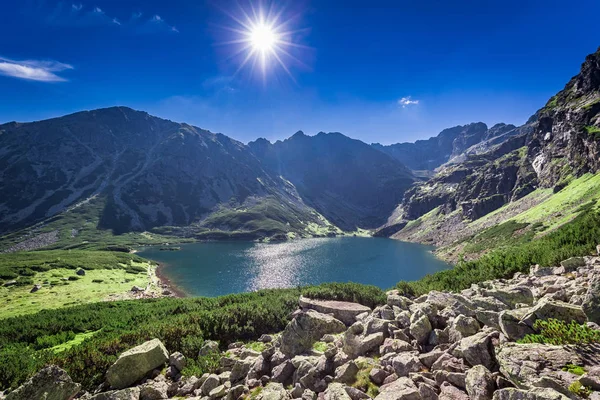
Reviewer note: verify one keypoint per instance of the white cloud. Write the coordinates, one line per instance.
(98, 10)
(43, 71)
(407, 101)
(116, 21)
(77, 7)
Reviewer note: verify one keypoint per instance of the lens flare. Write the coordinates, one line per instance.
(263, 38)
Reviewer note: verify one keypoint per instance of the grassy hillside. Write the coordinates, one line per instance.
(577, 238)
(106, 274)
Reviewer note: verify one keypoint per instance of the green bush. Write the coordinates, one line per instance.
(181, 324)
(558, 332)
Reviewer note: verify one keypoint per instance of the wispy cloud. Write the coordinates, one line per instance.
(407, 101)
(160, 22)
(79, 15)
(43, 71)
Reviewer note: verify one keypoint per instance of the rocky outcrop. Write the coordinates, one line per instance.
(134, 364)
(51, 383)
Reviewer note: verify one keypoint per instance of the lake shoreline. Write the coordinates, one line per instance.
(167, 283)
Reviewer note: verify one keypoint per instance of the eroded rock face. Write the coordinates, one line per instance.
(537, 365)
(134, 364)
(50, 383)
(307, 328)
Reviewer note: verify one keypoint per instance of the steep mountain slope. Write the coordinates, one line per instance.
(349, 182)
(533, 181)
(149, 172)
(447, 145)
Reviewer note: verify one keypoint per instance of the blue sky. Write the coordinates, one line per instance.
(379, 71)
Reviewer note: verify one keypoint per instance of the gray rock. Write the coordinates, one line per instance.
(537, 365)
(341, 310)
(177, 360)
(427, 392)
(346, 373)
(427, 359)
(571, 264)
(50, 383)
(378, 375)
(398, 301)
(394, 346)
(356, 394)
(80, 272)
(208, 347)
(512, 295)
(405, 363)
(488, 318)
(211, 382)
(134, 364)
(355, 345)
(283, 372)
(534, 394)
(376, 325)
(479, 383)
(273, 391)
(511, 325)
(35, 288)
(218, 392)
(420, 329)
(478, 349)
(336, 391)
(401, 389)
(591, 379)
(591, 301)
(546, 309)
(307, 328)
(154, 390)
(462, 327)
(449, 392)
(132, 393)
(240, 370)
(236, 392)
(456, 302)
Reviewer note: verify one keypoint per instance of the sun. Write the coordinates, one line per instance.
(263, 38)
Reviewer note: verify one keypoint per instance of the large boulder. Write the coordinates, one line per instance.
(50, 383)
(273, 391)
(336, 391)
(307, 328)
(401, 389)
(342, 310)
(546, 309)
(462, 327)
(456, 302)
(511, 324)
(123, 394)
(537, 365)
(478, 350)
(533, 394)
(511, 295)
(479, 383)
(591, 302)
(134, 364)
(420, 328)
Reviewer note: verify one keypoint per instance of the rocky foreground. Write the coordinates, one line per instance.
(437, 346)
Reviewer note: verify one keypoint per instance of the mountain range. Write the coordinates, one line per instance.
(123, 171)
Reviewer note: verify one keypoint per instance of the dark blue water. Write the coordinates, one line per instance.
(218, 268)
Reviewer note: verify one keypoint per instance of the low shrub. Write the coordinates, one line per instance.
(559, 332)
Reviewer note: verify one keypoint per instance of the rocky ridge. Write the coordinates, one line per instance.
(556, 145)
(437, 346)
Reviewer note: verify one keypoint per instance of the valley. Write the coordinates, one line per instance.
(255, 235)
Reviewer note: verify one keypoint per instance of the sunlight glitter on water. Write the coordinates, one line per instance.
(281, 265)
